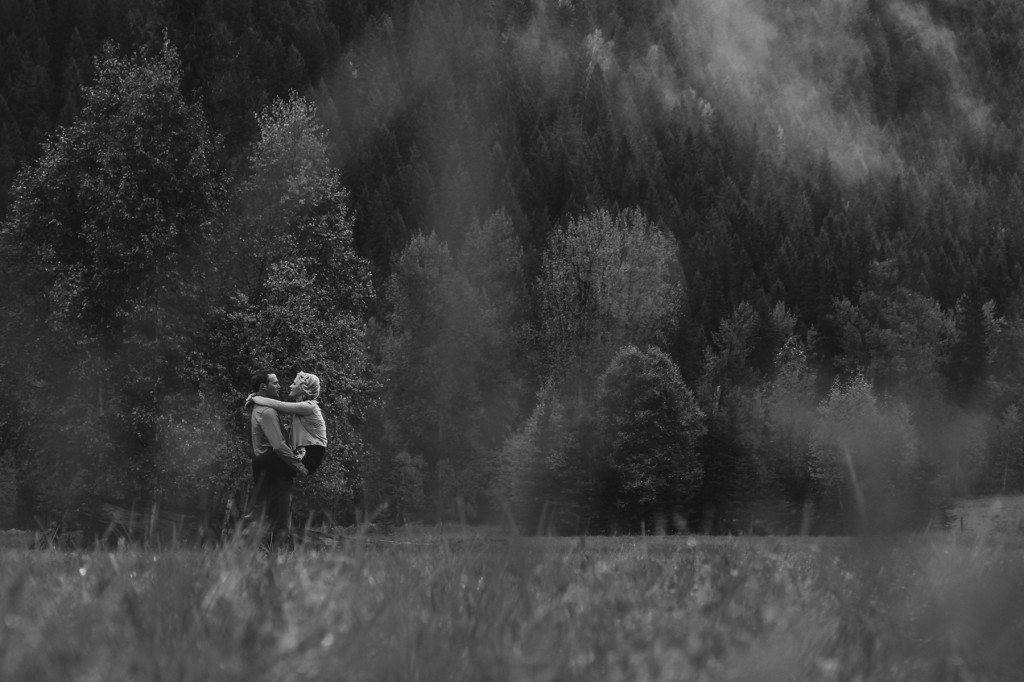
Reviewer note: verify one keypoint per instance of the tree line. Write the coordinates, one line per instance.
(570, 265)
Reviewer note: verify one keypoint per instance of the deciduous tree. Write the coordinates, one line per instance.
(295, 293)
(606, 280)
(105, 251)
(651, 426)
(867, 462)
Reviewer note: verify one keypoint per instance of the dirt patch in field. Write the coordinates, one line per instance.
(17, 539)
(983, 515)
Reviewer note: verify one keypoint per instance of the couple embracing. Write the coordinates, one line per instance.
(278, 459)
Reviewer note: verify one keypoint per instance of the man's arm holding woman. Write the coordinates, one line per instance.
(272, 430)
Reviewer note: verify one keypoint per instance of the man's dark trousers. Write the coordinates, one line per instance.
(272, 494)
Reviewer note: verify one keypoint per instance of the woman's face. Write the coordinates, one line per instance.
(295, 390)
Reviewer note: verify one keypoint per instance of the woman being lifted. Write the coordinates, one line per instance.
(308, 437)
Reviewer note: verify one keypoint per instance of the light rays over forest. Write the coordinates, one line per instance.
(836, 186)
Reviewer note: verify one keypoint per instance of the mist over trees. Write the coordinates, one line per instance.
(739, 267)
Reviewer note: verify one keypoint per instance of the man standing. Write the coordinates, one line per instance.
(273, 478)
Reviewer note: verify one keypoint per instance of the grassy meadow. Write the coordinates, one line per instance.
(423, 607)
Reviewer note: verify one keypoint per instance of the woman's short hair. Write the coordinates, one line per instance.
(310, 384)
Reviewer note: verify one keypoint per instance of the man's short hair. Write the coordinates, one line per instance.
(259, 378)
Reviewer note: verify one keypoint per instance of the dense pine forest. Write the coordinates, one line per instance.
(575, 265)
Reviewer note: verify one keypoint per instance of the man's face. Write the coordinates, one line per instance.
(272, 388)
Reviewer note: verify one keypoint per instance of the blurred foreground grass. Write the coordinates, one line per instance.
(422, 608)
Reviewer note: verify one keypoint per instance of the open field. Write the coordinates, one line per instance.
(423, 608)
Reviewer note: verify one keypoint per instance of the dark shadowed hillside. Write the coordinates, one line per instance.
(798, 222)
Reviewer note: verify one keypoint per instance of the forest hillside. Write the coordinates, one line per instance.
(739, 266)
